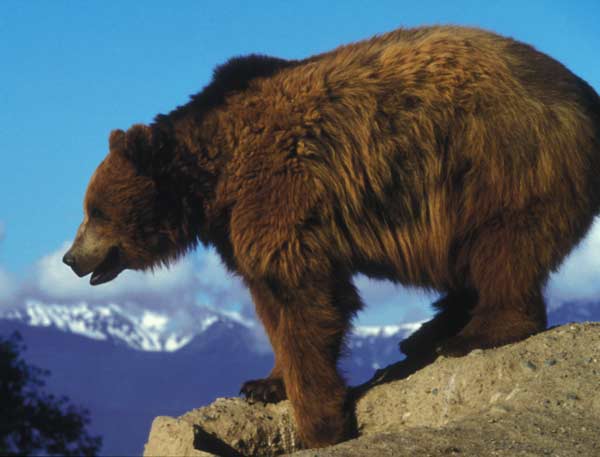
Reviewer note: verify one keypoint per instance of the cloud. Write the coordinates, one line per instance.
(199, 279)
(220, 287)
(578, 279)
(52, 281)
(389, 302)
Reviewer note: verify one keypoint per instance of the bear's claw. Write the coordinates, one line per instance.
(269, 390)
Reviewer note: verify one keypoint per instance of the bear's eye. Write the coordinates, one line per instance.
(96, 213)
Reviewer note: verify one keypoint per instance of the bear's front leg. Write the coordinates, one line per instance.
(284, 253)
(306, 334)
(270, 389)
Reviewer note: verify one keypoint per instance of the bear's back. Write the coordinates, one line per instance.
(433, 130)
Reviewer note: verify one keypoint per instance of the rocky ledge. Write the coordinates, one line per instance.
(538, 397)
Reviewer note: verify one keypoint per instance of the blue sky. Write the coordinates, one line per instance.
(73, 71)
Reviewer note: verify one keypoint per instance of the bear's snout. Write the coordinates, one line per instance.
(71, 260)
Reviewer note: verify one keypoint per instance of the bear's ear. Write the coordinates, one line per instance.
(116, 141)
(136, 146)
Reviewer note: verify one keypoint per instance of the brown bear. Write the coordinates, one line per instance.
(443, 157)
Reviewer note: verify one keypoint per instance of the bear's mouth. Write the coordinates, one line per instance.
(109, 268)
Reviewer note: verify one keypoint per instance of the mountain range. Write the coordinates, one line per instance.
(127, 366)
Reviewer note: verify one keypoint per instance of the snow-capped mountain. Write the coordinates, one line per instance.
(144, 330)
(373, 347)
(128, 366)
(148, 330)
(201, 329)
(385, 331)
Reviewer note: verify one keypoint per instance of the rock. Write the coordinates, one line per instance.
(229, 426)
(507, 401)
(177, 438)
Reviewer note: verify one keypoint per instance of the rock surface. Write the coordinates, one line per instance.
(534, 398)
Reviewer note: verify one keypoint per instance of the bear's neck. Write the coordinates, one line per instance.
(198, 155)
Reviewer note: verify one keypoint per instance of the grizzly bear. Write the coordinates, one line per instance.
(443, 157)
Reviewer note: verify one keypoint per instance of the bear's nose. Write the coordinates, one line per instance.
(69, 259)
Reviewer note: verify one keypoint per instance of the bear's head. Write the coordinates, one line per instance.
(128, 212)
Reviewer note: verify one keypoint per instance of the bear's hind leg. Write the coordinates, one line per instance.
(499, 322)
(454, 312)
(509, 264)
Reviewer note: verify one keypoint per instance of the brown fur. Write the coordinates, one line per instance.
(442, 157)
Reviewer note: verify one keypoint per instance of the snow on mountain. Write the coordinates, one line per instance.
(387, 331)
(145, 330)
(369, 347)
(149, 330)
(372, 347)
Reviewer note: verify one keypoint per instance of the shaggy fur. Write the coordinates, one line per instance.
(442, 157)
